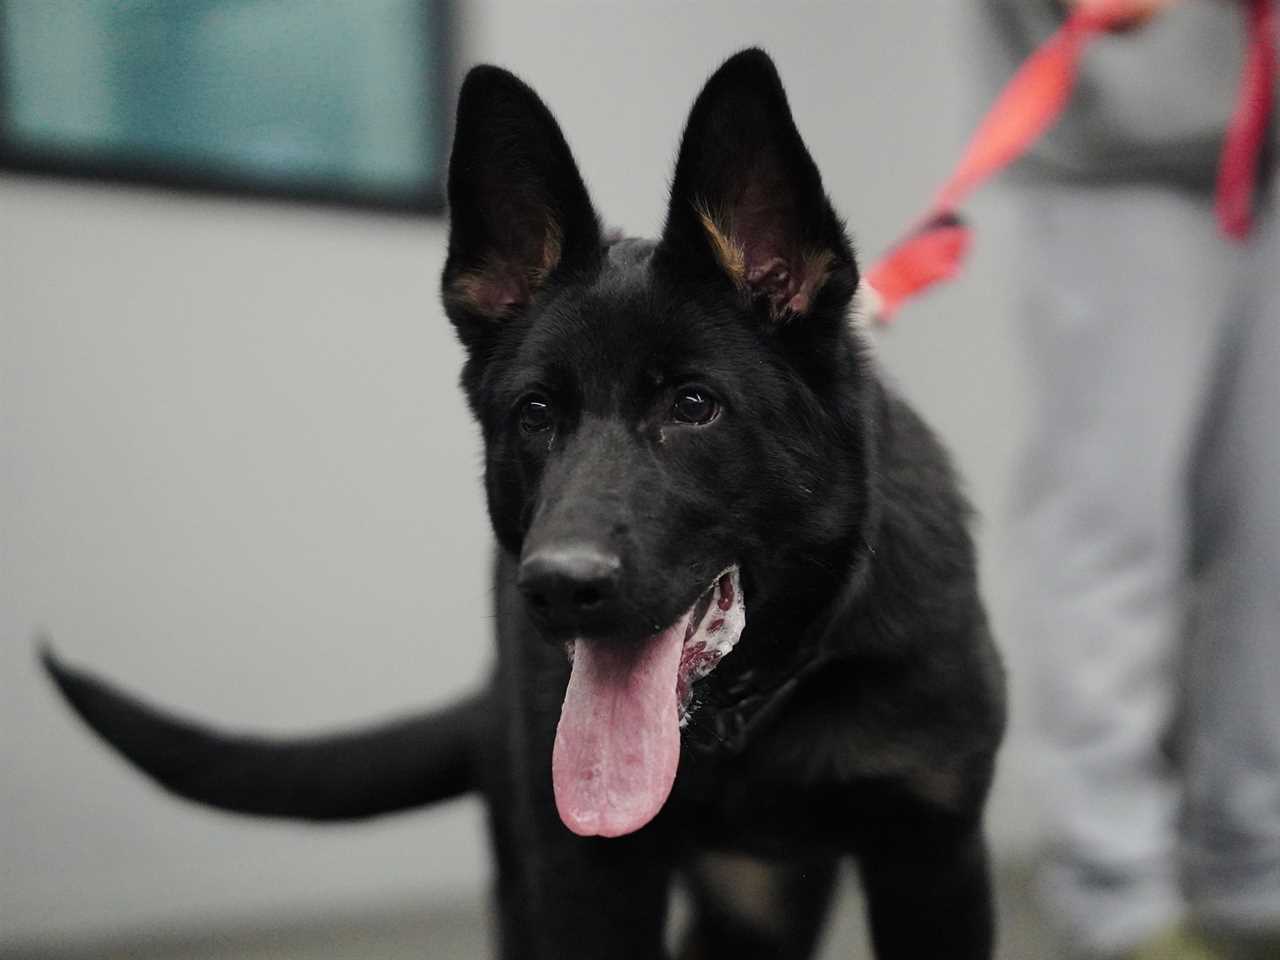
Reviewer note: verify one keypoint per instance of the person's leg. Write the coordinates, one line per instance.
(1233, 676)
(1123, 296)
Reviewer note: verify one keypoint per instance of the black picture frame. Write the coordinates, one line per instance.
(139, 167)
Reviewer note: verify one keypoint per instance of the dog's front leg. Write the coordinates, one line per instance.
(562, 896)
(592, 898)
(929, 894)
(566, 897)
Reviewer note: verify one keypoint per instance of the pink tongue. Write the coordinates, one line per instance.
(618, 743)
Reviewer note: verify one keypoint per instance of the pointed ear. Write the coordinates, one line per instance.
(518, 210)
(747, 201)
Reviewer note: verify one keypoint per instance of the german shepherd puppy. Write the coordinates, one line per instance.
(739, 629)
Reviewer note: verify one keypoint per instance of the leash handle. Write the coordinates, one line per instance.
(1242, 151)
(935, 248)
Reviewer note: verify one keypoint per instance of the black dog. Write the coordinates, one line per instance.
(739, 630)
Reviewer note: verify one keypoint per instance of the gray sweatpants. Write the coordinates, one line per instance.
(1146, 545)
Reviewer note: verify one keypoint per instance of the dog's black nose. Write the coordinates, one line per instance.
(571, 587)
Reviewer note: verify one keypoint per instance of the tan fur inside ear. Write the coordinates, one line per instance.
(791, 284)
(551, 249)
(491, 291)
(815, 267)
(501, 285)
(729, 253)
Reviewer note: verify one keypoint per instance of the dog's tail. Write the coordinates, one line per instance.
(345, 776)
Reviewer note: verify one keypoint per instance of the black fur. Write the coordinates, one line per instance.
(859, 715)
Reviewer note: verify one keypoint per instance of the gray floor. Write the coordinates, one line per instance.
(462, 933)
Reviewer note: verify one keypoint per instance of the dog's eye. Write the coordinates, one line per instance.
(694, 405)
(535, 414)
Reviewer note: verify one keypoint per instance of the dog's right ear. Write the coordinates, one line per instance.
(519, 213)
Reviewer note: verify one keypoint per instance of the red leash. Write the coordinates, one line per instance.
(1238, 170)
(935, 249)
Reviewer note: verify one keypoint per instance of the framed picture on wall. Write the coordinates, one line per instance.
(343, 101)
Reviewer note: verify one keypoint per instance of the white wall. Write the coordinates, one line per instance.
(237, 474)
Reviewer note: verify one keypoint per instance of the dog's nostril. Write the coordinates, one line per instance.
(587, 598)
(566, 584)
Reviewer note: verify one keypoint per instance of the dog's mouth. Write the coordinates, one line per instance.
(618, 743)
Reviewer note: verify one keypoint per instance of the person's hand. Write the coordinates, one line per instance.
(1131, 13)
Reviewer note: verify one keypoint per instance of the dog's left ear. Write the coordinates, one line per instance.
(747, 200)
(519, 213)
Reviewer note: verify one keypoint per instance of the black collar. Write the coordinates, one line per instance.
(728, 718)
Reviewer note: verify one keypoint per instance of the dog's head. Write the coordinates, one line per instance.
(668, 425)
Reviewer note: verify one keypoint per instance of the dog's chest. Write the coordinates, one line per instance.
(769, 805)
